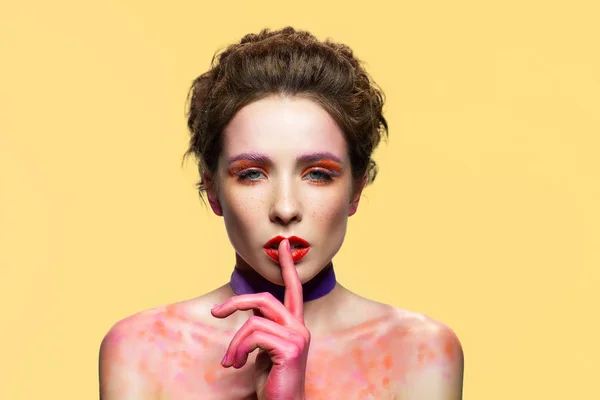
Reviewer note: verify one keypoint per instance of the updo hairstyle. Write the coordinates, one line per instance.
(285, 62)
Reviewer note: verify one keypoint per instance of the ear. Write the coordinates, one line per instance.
(213, 198)
(358, 188)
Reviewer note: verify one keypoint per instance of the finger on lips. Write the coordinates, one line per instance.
(293, 299)
(278, 328)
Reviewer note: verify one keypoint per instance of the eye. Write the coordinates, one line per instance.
(314, 175)
(320, 175)
(249, 175)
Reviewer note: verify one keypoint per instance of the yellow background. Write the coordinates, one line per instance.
(484, 215)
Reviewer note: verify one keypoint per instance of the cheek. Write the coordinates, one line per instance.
(242, 215)
(331, 222)
(330, 217)
(330, 209)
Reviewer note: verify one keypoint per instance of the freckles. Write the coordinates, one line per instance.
(324, 213)
(238, 202)
(245, 204)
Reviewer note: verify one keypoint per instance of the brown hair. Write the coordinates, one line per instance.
(286, 62)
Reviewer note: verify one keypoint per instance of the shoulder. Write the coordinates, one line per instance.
(140, 353)
(428, 355)
(121, 359)
(424, 329)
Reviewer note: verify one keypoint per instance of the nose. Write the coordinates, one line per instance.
(285, 205)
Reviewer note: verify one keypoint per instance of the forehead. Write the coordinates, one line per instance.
(283, 127)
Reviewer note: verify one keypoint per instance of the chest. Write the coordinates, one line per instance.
(348, 372)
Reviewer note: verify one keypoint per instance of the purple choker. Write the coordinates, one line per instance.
(249, 282)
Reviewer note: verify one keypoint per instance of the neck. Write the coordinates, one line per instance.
(249, 282)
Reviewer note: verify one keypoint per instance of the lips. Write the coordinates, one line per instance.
(295, 242)
(298, 246)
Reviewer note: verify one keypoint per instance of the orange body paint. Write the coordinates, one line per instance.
(180, 358)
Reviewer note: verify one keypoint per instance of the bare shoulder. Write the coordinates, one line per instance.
(167, 351)
(428, 356)
(407, 329)
(120, 370)
(422, 326)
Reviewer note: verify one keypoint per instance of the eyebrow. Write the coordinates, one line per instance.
(304, 158)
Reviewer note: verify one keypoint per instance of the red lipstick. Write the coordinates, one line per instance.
(298, 246)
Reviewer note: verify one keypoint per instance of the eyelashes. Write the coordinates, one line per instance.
(319, 176)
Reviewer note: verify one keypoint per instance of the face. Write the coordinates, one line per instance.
(284, 170)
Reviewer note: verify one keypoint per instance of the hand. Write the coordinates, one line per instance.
(278, 330)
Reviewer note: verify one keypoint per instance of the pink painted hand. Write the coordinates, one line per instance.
(279, 332)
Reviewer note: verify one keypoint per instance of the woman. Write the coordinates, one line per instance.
(283, 127)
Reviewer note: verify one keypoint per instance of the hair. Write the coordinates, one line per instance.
(285, 62)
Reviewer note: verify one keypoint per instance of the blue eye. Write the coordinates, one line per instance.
(248, 175)
(320, 175)
(316, 175)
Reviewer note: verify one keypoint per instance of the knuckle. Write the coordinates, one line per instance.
(293, 350)
(294, 337)
(267, 296)
(305, 333)
(257, 336)
(298, 340)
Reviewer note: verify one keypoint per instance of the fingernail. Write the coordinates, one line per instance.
(287, 245)
(224, 359)
(215, 308)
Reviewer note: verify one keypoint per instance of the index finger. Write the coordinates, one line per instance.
(293, 298)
